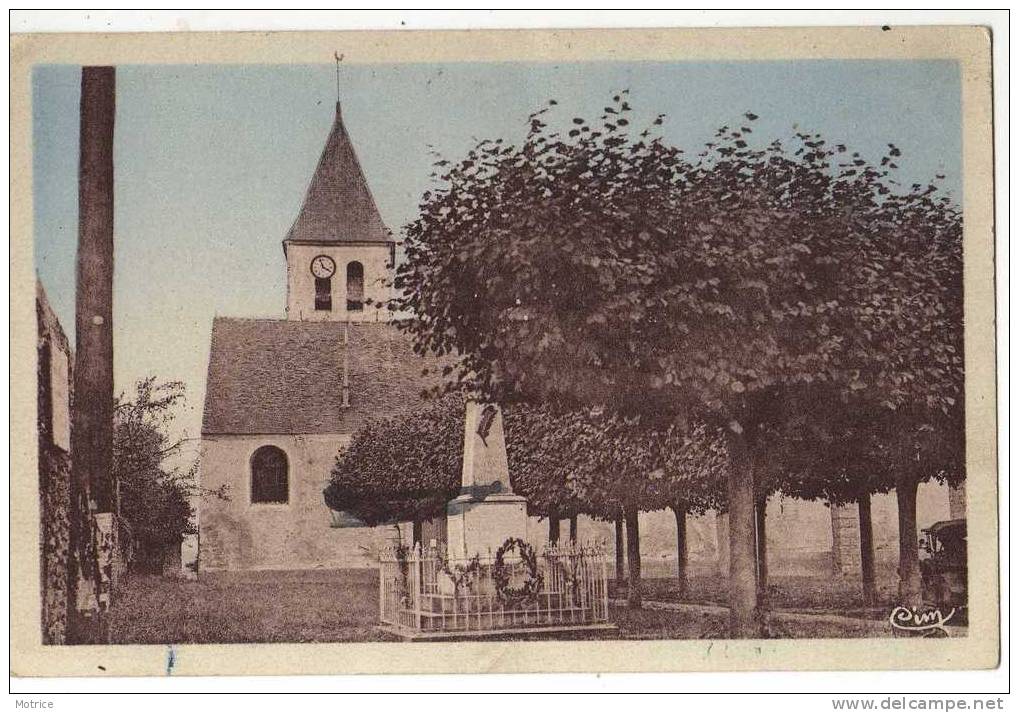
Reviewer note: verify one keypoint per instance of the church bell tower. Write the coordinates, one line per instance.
(340, 255)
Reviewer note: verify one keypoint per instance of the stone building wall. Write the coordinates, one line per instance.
(237, 534)
(845, 539)
(801, 535)
(53, 374)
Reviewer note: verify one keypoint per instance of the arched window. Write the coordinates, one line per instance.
(323, 293)
(355, 286)
(269, 477)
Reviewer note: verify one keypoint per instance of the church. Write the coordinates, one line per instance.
(283, 396)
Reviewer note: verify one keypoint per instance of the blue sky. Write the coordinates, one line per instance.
(212, 161)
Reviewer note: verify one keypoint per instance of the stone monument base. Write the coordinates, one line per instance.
(480, 526)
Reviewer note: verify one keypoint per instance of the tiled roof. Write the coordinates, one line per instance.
(286, 376)
(338, 206)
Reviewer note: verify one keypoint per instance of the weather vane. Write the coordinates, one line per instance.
(339, 58)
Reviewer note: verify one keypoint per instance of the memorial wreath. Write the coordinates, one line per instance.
(501, 572)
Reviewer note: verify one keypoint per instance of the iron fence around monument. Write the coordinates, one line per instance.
(423, 592)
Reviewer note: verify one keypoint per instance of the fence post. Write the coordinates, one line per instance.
(382, 589)
(417, 586)
(605, 587)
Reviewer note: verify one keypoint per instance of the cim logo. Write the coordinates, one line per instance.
(926, 620)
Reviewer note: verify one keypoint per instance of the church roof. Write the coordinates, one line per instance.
(338, 206)
(286, 376)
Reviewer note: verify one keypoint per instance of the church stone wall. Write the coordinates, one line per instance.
(301, 283)
(239, 535)
(800, 534)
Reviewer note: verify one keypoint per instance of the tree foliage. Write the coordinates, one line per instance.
(570, 461)
(565, 462)
(612, 269)
(401, 468)
(544, 453)
(156, 481)
(605, 268)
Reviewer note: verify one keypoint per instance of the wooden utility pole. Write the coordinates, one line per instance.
(92, 416)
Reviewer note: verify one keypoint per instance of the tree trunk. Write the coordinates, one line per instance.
(553, 528)
(761, 535)
(867, 551)
(92, 415)
(742, 556)
(620, 548)
(416, 532)
(682, 557)
(633, 599)
(722, 544)
(909, 553)
(573, 529)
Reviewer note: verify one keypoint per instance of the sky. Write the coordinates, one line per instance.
(212, 161)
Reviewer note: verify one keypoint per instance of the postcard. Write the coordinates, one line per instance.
(503, 351)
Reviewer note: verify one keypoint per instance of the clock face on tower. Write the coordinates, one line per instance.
(323, 266)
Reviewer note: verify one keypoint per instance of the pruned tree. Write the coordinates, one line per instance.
(838, 456)
(695, 472)
(902, 419)
(402, 468)
(925, 445)
(623, 472)
(571, 461)
(623, 464)
(543, 460)
(598, 267)
(564, 461)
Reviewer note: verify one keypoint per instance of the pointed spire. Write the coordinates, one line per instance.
(338, 206)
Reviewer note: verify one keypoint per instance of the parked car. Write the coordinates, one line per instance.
(943, 565)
